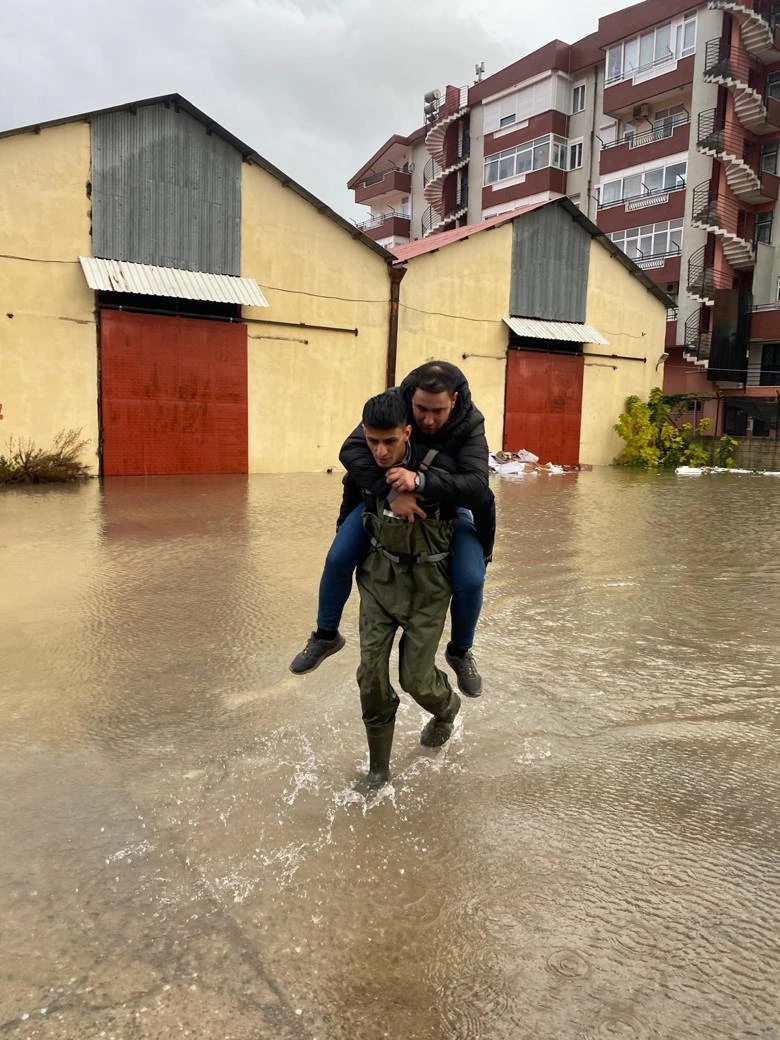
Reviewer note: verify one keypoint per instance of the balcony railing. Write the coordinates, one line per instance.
(616, 77)
(642, 198)
(720, 213)
(379, 219)
(652, 261)
(703, 279)
(656, 133)
(375, 178)
(431, 171)
(722, 62)
(714, 134)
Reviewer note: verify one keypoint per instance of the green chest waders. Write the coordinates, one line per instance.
(403, 583)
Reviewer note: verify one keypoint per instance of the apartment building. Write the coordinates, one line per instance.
(663, 127)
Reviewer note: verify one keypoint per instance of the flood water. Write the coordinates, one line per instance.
(594, 855)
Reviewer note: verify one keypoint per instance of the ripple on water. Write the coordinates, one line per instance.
(569, 963)
(618, 1025)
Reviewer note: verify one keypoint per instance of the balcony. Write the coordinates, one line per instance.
(727, 143)
(704, 280)
(661, 267)
(721, 216)
(670, 136)
(663, 77)
(387, 225)
(376, 185)
(663, 204)
(758, 28)
(547, 179)
(730, 69)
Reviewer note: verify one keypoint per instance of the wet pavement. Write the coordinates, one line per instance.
(594, 855)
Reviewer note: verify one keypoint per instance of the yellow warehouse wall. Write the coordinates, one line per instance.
(634, 322)
(48, 353)
(305, 397)
(452, 303)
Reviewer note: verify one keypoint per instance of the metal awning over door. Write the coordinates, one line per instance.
(565, 331)
(121, 276)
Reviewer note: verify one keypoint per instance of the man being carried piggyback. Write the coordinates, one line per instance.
(403, 583)
(442, 418)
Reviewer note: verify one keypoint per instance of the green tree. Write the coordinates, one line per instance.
(654, 436)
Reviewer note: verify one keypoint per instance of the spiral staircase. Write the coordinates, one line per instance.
(437, 169)
(756, 26)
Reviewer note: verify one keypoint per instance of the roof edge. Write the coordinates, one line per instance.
(248, 154)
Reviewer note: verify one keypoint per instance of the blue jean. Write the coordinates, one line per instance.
(467, 575)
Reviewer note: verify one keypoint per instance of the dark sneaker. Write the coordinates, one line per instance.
(465, 668)
(315, 652)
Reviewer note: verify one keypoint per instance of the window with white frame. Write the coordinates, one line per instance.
(632, 185)
(533, 155)
(578, 98)
(661, 239)
(575, 155)
(663, 43)
(506, 120)
(666, 119)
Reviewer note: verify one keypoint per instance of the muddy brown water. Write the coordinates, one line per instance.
(594, 855)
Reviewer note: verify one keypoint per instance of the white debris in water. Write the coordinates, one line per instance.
(520, 463)
(697, 471)
(132, 850)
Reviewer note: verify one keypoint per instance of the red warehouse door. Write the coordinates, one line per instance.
(173, 395)
(543, 405)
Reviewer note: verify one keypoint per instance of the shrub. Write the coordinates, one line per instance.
(27, 464)
(654, 438)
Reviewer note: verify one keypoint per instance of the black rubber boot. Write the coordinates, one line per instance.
(380, 742)
(438, 730)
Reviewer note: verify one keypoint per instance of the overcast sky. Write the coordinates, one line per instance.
(315, 86)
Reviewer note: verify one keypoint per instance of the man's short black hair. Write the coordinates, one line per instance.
(385, 411)
(435, 377)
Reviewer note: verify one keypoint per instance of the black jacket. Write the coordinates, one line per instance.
(371, 497)
(462, 438)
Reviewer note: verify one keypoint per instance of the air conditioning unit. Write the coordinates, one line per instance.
(641, 111)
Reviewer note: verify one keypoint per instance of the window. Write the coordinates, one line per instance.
(773, 86)
(506, 120)
(664, 43)
(575, 155)
(764, 227)
(769, 157)
(578, 98)
(686, 36)
(661, 239)
(770, 365)
(662, 178)
(666, 119)
(549, 150)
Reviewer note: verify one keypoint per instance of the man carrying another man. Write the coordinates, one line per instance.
(404, 583)
(441, 418)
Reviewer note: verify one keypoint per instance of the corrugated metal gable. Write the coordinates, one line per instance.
(164, 191)
(550, 264)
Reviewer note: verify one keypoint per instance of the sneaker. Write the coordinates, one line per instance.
(315, 652)
(465, 668)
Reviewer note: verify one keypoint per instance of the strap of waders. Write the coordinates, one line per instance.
(406, 559)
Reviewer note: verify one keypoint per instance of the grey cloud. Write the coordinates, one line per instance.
(314, 85)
